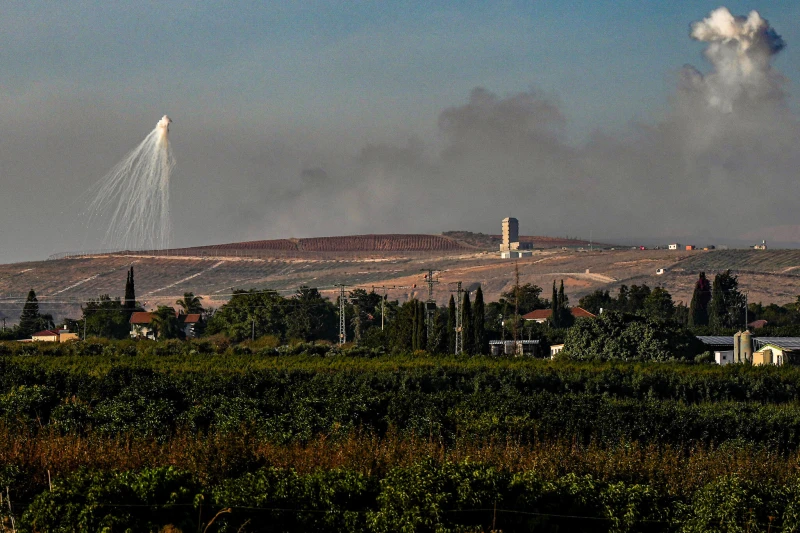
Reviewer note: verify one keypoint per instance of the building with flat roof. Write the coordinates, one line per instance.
(510, 234)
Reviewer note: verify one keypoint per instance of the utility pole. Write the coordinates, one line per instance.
(430, 303)
(459, 328)
(516, 302)
(383, 301)
(745, 312)
(342, 321)
(254, 329)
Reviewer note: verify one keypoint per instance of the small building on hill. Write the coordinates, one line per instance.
(541, 316)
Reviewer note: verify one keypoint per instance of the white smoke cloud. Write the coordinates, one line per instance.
(740, 50)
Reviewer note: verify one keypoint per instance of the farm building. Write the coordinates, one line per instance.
(523, 347)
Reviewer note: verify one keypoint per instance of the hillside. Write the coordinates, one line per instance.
(453, 241)
(381, 261)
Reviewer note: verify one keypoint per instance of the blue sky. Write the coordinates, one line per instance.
(363, 64)
(334, 75)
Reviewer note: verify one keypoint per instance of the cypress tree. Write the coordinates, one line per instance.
(555, 315)
(716, 315)
(30, 318)
(466, 325)
(437, 340)
(414, 325)
(564, 315)
(422, 326)
(451, 325)
(130, 293)
(479, 323)
(698, 308)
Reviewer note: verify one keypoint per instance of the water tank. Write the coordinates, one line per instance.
(747, 347)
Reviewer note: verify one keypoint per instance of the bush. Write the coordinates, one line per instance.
(108, 501)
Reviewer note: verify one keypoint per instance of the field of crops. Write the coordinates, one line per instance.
(777, 261)
(145, 435)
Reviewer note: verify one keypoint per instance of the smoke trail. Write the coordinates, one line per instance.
(135, 194)
(740, 49)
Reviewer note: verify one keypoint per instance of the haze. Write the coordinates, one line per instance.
(314, 119)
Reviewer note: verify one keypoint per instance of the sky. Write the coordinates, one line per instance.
(299, 119)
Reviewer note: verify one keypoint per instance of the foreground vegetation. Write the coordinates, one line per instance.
(139, 436)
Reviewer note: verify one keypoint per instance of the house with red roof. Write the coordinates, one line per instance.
(543, 315)
(54, 335)
(141, 329)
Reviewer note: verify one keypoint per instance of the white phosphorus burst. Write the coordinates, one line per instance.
(135, 195)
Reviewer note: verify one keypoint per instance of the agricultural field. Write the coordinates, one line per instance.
(178, 436)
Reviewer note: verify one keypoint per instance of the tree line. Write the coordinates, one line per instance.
(374, 322)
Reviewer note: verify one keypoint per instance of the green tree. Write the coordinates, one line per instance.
(467, 335)
(250, 313)
(659, 305)
(30, 319)
(560, 316)
(420, 327)
(165, 324)
(622, 304)
(106, 317)
(190, 304)
(437, 340)
(451, 325)
(310, 316)
(479, 323)
(636, 297)
(698, 308)
(727, 303)
(555, 310)
(529, 298)
(596, 301)
(618, 336)
(402, 331)
(130, 294)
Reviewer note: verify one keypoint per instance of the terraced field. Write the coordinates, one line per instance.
(776, 261)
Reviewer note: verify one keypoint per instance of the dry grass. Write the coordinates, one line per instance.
(215, 457)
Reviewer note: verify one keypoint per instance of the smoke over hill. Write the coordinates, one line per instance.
(720, 163)
(723, 161)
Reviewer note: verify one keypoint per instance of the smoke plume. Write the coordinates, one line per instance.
(722, 162)
(740, 49)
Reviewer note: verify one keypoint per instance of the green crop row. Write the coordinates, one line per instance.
(424, 496)
(584, 402)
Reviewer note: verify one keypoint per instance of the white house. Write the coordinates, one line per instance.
(674, 246)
